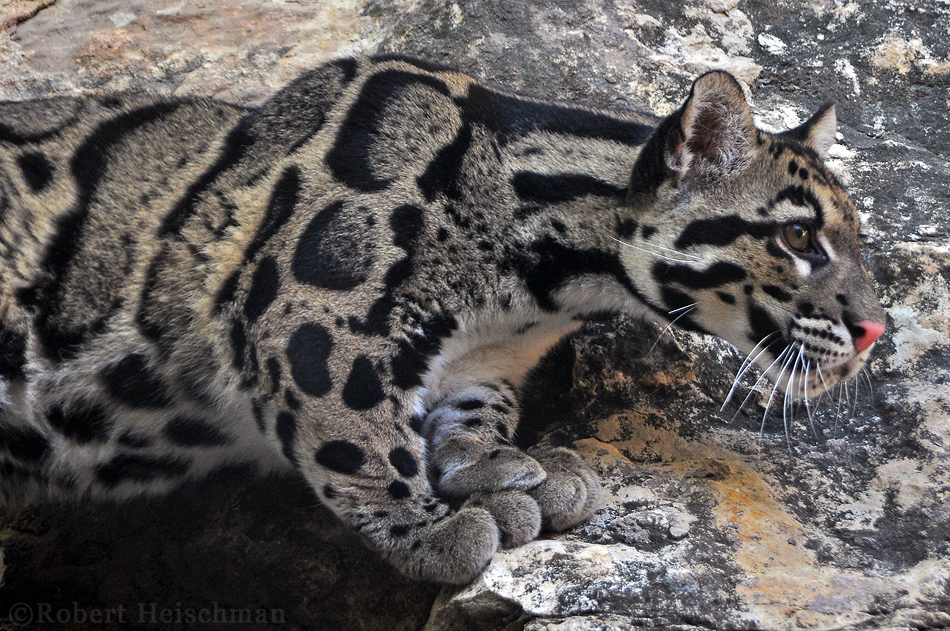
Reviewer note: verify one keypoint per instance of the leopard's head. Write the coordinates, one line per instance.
(748, 235)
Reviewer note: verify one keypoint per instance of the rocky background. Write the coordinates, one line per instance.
(836, 518)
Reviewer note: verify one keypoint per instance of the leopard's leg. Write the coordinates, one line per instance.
(469, 427)
(369, 467)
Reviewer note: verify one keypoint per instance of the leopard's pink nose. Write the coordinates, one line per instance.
(866, 333)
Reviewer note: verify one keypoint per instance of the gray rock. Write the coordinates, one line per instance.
(835, 517)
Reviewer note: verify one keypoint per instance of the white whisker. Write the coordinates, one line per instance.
(681, 308)
(822, 378)
(689, 309)
(808, 411)
(857, 385)
(768, 406)
(684, 258)
(758, 381)
(867, 375)
(838, 409)
(747, 363)
(788, 400)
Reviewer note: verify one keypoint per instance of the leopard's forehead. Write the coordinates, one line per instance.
(808, 177)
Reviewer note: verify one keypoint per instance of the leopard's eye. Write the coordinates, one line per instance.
(797, 236)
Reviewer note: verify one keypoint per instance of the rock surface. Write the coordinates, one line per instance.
(835, 519)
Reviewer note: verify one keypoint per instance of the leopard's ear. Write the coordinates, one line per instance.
(818, 132)
(718, 131)
(711, 136)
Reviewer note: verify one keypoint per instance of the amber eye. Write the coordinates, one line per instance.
(797, 236)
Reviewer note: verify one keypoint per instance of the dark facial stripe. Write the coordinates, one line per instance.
(563, 187)
(716, 275)
(800, 196)
(723, 231)
(764, 325)
(777, 292)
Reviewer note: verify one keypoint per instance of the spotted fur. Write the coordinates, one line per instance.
(353, 279)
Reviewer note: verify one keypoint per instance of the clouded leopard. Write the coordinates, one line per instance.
(353, 279)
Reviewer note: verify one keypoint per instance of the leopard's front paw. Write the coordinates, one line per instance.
(570, 493)
(517, 515)
(465, 465)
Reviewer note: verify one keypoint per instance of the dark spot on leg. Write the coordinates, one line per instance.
(362, 390)
(470, 404)
(399, 490)
(399, 530)
(308, 352)
(341, 456)
(406, 222)
(404, 462)
(287, 431)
